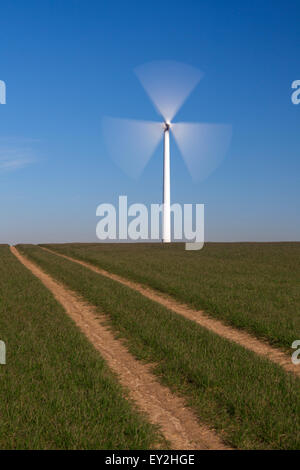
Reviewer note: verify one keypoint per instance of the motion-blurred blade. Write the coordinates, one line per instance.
(168, 84)
(131, 143)
(203, 146)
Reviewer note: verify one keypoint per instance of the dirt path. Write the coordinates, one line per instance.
(177, 422)
(238, 336)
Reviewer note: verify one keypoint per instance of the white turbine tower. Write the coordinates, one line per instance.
(167, 187)
(131, 143)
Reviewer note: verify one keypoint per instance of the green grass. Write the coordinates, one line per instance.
(56, 392)
(253, 286)
(252, 402)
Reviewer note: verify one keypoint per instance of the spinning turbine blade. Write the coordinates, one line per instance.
(131, 143)
(168, 84)
(202, 145)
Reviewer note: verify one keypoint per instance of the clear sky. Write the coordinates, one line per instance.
(68, 63)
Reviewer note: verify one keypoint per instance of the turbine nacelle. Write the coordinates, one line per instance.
(166, 126)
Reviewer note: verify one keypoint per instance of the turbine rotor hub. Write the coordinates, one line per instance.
(167, 126)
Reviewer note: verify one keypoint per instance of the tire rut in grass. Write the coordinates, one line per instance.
(163, 408)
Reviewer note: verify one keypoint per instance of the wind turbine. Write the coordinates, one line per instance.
(131, 142)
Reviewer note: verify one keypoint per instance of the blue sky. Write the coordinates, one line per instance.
(66, 64)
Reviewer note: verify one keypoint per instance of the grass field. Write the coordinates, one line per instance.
(250, 401)
(254, 286)
(56, 391)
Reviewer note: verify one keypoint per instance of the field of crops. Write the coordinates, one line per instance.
(254, 286)
(251, 402)
(57, 391)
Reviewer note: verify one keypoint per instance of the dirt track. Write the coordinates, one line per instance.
(238, 336)
(177, 422)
